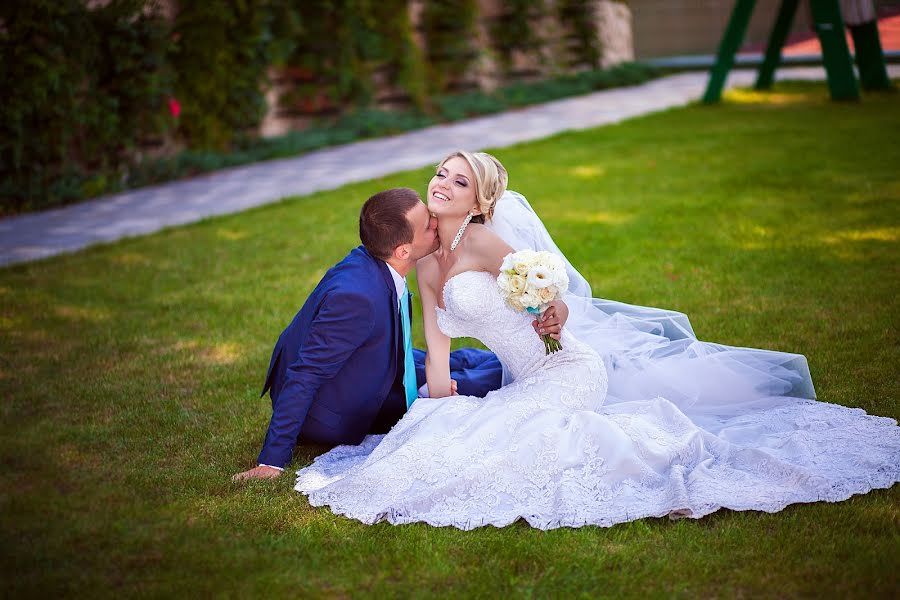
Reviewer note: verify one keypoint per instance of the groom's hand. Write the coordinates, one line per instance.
(553, 319)
(260, 472)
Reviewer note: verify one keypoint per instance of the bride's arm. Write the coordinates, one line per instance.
(437, 354)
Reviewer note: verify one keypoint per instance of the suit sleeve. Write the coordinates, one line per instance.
(343, 324)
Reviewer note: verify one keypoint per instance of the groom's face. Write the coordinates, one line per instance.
(424, 226)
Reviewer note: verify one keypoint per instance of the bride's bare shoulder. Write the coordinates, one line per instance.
(427, 270)
(486, 249)
(484, 239)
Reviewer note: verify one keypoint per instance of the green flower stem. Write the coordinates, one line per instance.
(550, 345)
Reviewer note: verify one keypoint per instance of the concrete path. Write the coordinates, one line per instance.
(138, 212)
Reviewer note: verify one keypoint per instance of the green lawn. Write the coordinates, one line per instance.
(130, 373)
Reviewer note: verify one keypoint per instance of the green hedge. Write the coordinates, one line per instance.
(340, 43)
(97, 94)
(84, 90)
(367, 123)
(221, 52)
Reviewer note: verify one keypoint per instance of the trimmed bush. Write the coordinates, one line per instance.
(97, 92)
(88, 88)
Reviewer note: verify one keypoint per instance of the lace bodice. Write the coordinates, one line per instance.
(476, 309)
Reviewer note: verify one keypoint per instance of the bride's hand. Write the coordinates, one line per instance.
(551, 322)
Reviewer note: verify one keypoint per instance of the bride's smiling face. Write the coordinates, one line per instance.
(451, 192)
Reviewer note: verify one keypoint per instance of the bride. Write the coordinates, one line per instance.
(633, 418)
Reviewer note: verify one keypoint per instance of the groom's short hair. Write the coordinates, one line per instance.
(382, 221)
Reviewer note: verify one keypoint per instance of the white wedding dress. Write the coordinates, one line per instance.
(588, 436)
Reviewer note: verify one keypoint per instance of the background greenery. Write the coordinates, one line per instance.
(361, 123)
(131, 372)
(89, 88)
(84, 88)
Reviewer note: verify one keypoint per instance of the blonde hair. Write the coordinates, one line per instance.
(490, 179)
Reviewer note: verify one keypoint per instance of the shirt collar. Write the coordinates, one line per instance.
(399, 281)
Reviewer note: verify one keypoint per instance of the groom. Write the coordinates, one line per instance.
(343, 368)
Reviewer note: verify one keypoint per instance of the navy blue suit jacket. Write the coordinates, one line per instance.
(336, 372)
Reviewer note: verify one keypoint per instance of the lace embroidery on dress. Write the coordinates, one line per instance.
(548, 448)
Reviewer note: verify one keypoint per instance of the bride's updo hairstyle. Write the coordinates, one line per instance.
(490, 180)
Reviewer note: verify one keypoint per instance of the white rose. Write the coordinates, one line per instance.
(507, 262)
(521, 267)
(561, 281)
(529, 300)
(526, 255)
(546, 295)
(513, 302)
(556, 267)
(517, 284)
(503, 282)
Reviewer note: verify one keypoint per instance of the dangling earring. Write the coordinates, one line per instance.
(460, 232)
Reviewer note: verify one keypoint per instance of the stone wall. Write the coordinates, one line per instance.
(550, 57)
(673, 27)
(614, 30)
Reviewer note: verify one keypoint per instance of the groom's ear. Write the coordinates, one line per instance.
(402, 252)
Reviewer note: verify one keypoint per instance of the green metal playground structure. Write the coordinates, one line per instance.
(836, 57)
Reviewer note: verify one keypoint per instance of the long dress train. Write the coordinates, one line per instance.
(579, 438)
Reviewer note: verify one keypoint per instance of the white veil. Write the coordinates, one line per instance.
(652, 352)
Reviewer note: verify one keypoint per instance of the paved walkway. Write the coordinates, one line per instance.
(139, 212)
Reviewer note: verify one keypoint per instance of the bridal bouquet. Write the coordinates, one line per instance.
(530, 280)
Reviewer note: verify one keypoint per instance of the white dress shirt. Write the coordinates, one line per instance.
(399, 281)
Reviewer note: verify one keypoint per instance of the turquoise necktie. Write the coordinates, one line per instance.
(409, 367)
